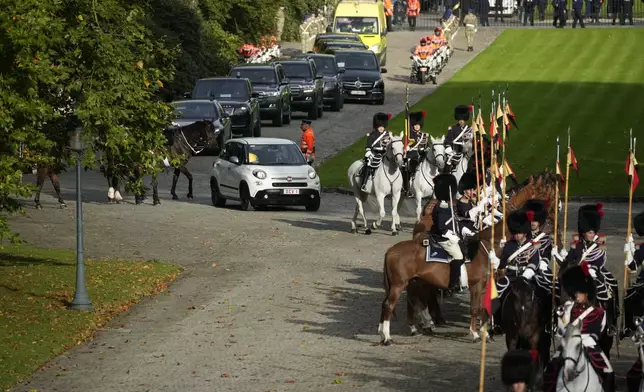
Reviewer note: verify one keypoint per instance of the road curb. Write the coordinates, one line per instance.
(579, 199)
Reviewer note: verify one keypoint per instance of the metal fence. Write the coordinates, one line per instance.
(517, 12)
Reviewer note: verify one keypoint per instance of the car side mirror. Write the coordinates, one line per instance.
(254, 95)
(187, 95)
(285, 82)
(234, 160)
(383, 70)
(318, 77)
(341, 70)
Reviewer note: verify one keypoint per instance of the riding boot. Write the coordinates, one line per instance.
(405, 186)
(609, 382)
(455, 275)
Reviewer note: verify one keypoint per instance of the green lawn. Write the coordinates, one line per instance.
(591, 80)
(36, 284)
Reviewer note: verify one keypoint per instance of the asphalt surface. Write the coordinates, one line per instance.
(277, 300)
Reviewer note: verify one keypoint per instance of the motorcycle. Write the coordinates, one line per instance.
(422, 70)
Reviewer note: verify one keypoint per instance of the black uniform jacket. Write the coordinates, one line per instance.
(529, 257)
(442, 218)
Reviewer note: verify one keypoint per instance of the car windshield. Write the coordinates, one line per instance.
(225, 90)
(345, 44)
(192, 110)
(275, 155)
(326, 66)
(365, 60)
(340, 37)
(298, 70)
(358, 25)
(257, 76)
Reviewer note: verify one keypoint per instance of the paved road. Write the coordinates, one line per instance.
(278, 300)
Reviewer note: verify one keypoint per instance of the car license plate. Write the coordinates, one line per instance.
(423, 69)
(358, 92)
(291, 192)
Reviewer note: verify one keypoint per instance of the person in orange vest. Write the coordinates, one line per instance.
(423, 50)
(438, 38)
(247, 51)
(389, 13)
(307, 143)
(413, 10)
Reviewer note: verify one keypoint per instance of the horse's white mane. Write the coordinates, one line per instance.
(437, 140)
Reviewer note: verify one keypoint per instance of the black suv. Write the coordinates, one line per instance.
(332, 77)
(307, 87)
(272, 85)
(362, 79)
(237, 98)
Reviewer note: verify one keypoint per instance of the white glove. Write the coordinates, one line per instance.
(593, 272)
(368, 154)
(466, 232)
(495, 261)
(498, 214)
(528, 273)
(543, 265)
(451, 236)
(555, 254)
(563, 253)
(502, 242)
(488, 220)
(629, 255)
(449, 151)
(631, 243)
(473, 213)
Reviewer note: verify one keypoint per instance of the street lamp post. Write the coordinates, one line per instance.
(81, 300)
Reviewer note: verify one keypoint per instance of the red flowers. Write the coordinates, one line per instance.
(530, 215)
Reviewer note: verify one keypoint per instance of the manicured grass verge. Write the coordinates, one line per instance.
(36, 285)
(591, 80)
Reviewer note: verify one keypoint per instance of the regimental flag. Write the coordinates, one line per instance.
(481, 124)
(631, 170)
(572, 160)
(560, 174)
(510, 114)
(501, 123)
(506, 170)
(491, 300)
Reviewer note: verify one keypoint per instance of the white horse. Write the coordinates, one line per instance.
(466, 154)
(576, 374)
(638, 338)
(387, 180)
(431, 166)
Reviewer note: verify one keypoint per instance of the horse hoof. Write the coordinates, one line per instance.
(175, 197)
(413, 333)
(353, 231)
(139, 202)
(394, 233)
(38, 206)
(387, 342)
(476, 340)
(63, 205)
(399, 227)
(374, 225)
(156, 203)
(189, 196)
(440, 321)
(428, 331)
(490, 339)
(367, 231)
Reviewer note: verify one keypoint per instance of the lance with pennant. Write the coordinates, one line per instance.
(554, 259)
(481, 125)
(565, 217)
(632, 183)
(505, 145)
(406, 136)
(476, 154)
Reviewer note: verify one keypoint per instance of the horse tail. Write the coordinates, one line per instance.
(387, 281)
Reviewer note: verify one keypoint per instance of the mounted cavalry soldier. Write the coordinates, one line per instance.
(579, 285)
(377, 142)
(591, 248)
(633, 305)
(544, 247)
(415, 149)
(457, 135)
(444, 229)
(466, 208)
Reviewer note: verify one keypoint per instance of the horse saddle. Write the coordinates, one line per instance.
(434, 252)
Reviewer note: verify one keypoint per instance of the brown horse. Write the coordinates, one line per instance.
(406, 260)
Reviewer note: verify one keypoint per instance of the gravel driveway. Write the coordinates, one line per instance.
(278, 300)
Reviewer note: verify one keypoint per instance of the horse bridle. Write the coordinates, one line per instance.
(575, 362)
(386, 158)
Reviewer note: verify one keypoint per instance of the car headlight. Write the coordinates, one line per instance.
(312, 173)
(261, 174)
(308, 89)
(272, 93)
(374, 48)
(380, 81)
(240, 110)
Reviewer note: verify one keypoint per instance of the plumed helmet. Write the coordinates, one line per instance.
(577, 279)
(462, 112)
(518, 366)
(438, 29)
(538, 207)
(467, 181)
(443, 184)
(380, 120)
(417, 118)
(519, 222)
(590, 218)
(638, 224)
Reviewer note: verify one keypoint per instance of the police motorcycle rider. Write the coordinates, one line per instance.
(415, 149)
(422, 51)
(590, 248)
(457, 135)
(519, 257)
(633, 304)
(579, 285)
(445, 228)
(376, 148)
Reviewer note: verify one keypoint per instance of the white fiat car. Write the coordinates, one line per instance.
(264, 171)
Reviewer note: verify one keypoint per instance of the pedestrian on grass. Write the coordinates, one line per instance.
(528, 12)
(559, 20)
(541, 8)
(576, 13)
(470, 29)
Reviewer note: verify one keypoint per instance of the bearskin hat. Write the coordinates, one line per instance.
(467, 181)
(519, 222)
(417, 118)
(462, 112)
(538, 207)
(443, 184)
(518, 366)
(638, 224)
(381, 120)
(590, 218)
(577, 279)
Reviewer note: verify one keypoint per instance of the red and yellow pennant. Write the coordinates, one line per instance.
(491, 300)
(631, 170)
(510, 115)
(572, 160)
(560, 174)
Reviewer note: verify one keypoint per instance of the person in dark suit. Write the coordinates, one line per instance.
(528, 12)
(541, 8)
(576, 13)
(483, 9)
(560, 13)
